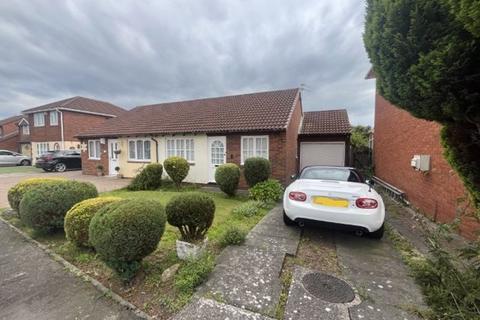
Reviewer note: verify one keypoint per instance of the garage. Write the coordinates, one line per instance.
(322, 153)
(324, 138)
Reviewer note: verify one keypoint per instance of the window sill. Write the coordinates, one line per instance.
(138, 161)
(94, 159)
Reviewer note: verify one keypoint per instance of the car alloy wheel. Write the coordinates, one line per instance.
(60, 167)
(25, 163)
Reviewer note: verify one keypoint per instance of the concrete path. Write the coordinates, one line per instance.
(246, 279)
(102, 183)
(33, 286)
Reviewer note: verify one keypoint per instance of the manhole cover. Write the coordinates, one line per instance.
(328, 288)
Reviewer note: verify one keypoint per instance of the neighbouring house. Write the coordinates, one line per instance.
(9, 133)
(54, 126)
(210, 132)
(325, 138)
(408, 156)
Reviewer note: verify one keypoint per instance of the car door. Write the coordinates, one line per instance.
(75, 160)
(7, 158)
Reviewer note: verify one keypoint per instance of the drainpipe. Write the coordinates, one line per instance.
(156, 148)
(61, 128)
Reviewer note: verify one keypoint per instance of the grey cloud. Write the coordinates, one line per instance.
(133, 53)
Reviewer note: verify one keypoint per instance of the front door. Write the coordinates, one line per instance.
(113, 148)
(217, 155)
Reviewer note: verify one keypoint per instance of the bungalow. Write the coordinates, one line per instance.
(206, 132)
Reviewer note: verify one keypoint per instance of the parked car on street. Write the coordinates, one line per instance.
(10, 158)
(60, 160)
(335, 195)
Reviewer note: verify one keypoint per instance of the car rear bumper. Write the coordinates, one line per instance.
(369, 219)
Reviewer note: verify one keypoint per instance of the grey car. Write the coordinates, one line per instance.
(10, 158)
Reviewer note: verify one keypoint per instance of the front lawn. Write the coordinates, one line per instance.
(146, 290)
(20, 169)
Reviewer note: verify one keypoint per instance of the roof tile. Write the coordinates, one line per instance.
(325, 122)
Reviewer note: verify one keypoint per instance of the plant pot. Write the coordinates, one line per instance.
(99, 173)
(190, 251)
(119, 176)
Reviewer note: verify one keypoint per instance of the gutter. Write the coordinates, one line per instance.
(61, 128)
(156, 148)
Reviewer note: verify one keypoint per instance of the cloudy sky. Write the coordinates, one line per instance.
(140, 52)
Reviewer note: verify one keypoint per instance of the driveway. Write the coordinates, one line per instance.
(102, 183)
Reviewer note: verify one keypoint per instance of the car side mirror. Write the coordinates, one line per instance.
(293, 176)
(370, 182)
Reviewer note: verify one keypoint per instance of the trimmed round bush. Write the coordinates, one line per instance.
(77, 219)
(192, 213)
(124, 232)
(177, 169)
(16, 193)
(227, 176)
(43, 208)
(150, 178)
(267, 191)
(256, 170)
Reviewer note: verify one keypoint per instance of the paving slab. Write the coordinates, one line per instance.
(33, 286)
(302, 305)
(377, 271)
(213, 310)
(247, 277)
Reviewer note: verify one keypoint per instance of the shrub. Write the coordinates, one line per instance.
(16, 193)
(43, 208)
(192, 213)
(247, 209)
(256, 170)
(126, 231)
(150, 178)
(232, 235)
(193, 273)
(267, 191)
(227, 177)
(77, 219)
(177, 169)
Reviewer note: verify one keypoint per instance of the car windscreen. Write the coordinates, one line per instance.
(336, 174)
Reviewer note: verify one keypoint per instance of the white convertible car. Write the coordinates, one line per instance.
(337, 195)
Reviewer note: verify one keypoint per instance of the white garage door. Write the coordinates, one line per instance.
(322, 153)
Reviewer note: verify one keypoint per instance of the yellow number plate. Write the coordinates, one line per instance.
(331, 202)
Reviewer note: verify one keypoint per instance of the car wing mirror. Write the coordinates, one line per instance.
(370, 182)
(293, 177)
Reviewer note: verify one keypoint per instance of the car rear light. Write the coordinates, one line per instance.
(366, 203)
(297, 196)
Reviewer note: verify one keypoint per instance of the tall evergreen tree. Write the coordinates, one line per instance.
(426, 56)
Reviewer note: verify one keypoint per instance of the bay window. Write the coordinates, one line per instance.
(254, 146)
(139, 150)
(181, 147)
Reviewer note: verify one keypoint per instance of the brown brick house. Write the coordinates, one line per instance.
(206, 132)
(53, 126)
(437, 192)
(9, 133)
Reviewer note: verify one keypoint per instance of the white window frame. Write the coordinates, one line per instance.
(26, 130)
(136, 157)
(52, 122)
(255, 154)
(180, 148)
(39, 119)
(92, 152)
(42, 146)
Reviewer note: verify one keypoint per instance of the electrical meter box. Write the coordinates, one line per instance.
(420, 162)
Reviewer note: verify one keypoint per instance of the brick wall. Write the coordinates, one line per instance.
(73, 124)
(399, 136)
(10, 142)
(90, 166)
(277, 154)
(292, 143)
